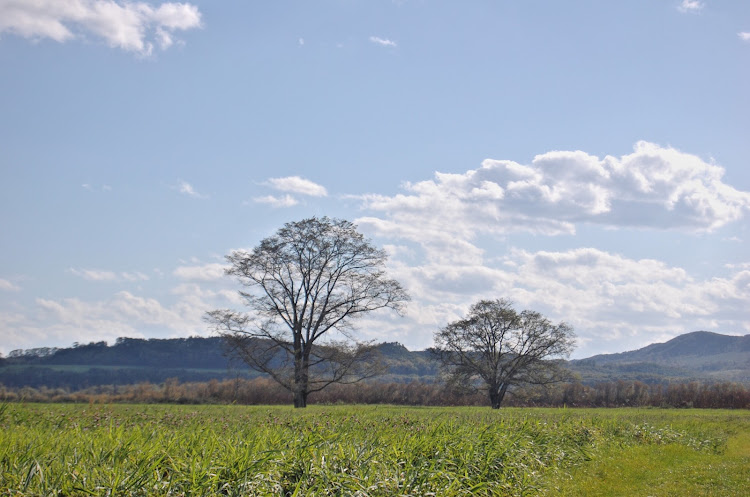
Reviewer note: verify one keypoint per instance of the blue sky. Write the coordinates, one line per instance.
(585, 159)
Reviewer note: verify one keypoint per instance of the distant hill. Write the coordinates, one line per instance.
(134, 360)
(128, 361)
(700, 356)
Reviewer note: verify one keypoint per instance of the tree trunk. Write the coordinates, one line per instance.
(301, 365)
(300, 398)
(495, 399)
(300, 388)
(497, 395)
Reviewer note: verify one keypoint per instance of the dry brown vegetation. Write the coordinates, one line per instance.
(263, 391)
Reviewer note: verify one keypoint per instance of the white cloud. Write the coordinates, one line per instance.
(205, 272)
(103, 275)
(295, 184)
(94, 274)
(60, 322)
(383, 42)
(744, 36)
(654, 187)
(285, 201)
(7, 286)
(615, 303)
(187, 189)
(291, 184)
(137, 276)
(91, 188)
(131, 26)
(691, 6)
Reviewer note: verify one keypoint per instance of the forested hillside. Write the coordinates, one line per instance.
(701, 356)
(133, 360)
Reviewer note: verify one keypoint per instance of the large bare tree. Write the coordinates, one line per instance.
(311, 279)
(495, 348)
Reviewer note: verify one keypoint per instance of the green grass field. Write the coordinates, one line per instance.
(53, 449)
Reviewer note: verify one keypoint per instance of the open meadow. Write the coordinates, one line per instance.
(126, 449)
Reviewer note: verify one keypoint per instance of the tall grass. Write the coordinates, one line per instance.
(349, 450)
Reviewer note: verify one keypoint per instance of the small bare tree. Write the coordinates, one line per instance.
(311, 278)
(495, 348)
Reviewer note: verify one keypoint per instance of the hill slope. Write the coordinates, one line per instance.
(694, 356)
(700, 355)
(133, 360)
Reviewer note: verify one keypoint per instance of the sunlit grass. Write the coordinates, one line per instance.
(369, 450)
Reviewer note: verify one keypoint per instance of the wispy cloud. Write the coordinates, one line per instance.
(273, 201)
(383, 42)
(92, 188)
(131, 26)
(744, 36)
(7, 286)
(103, 275)
(289, 185)
(187, 189)
(691, 6)
(206, 272)
(296, 184)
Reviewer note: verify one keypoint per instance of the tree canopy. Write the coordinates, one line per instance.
(310, 280)
(495, 348)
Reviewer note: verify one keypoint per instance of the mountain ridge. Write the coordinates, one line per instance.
(698, 355)
(691, 344)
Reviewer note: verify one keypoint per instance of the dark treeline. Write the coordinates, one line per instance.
(174, 353)
(194, 360)
(263, 391)
(74, 379)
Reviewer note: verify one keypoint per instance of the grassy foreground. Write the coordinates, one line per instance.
(48, 449)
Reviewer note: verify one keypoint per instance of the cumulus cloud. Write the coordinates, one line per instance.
(691, 6)
(295, 184)
(383, 42)
(615, 303)
(610, 297)
(654, 187)
(440, 228)
(130, 26)
(62, 321)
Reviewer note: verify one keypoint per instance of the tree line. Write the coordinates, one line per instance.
(265, 391)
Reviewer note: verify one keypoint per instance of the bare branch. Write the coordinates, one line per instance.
(498, 348)
(312, 277)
